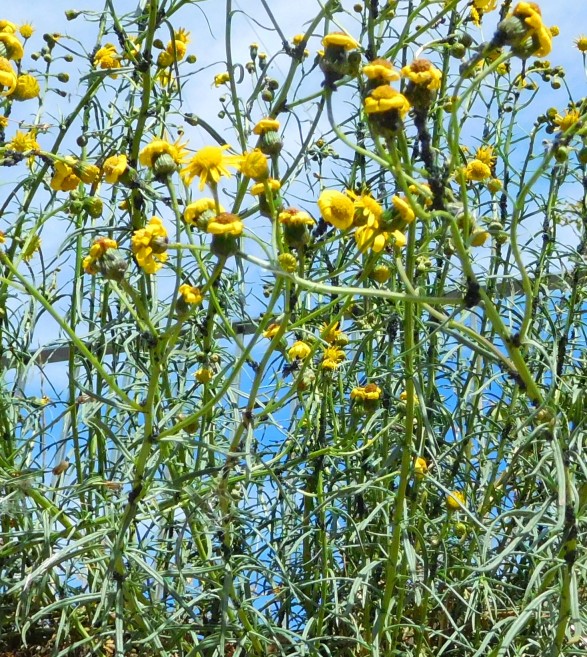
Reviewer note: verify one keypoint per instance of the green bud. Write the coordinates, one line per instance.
(163, 166)
(112, 265)
(63, 77)
(93, 206)
(72, 14)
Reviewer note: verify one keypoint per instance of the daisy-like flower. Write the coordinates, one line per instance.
(221, 78)
(380, 71)
(64, 178)
(271, 331)
(485, 5)
(162, 156)
(403, 209)
(375, 238)
(190, 295)
(331, 333)
(27, 87)
(23, 142)
(105, 258)
(8, 26)
(384, 99)
(10, 46)
(367, 209)
(332, 358)
(370, 392)
(259, 188)
(581, 43)
(254, 165)
(340, 40)
(226, 224)
(107, 57)
(478, 236)
(299, 350)
(525, 32)
(295, 217)
(565, 122)
(423, 73)
(420, 467)
(26, 30)
(210, 164)
(204, 375)
(114, 168)
(86, 172)
(485, 154)
(455, 500)
(336, 208)
(266, 125)
(477, 170)
(149, 245)
(8, 77)
(200, 212)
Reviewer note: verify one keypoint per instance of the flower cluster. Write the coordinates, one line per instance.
(105, 258)
(149, 245)
(16, 85)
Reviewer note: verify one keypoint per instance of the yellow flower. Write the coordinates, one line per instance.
(374, 238)
(33, 245)
(254, 165)
(27, 87)
(87, 173)
(259, 188)
(297, 39)
(114, 167)
(8, 77)
(176, 50)
(149, 245)
(181, 34)
(494, 185)
(8, 26)
(477, 170)
(331, 334)
(403, 208)
(97, 251)
(10, 46)
(221, 78)
(2, 237)
(295, 217)
(64, 179)
(288, 262)
(554, 30)
(478, 237)
(367, 209)
(332, 358)
(423, 73)
(26, 30)
(271, 331)
(385, 99)
(195, 210)
(191, 294)
(340, 40)
(420, 467)
(204, 375)
(424, 192)
(23, 142)
(530, 14)
(454, 500)
(3, 121)
(266, 125)
(381, 274)
(107, 58)
(565, 122)
(226, 224)
(370, 392)
(485, 5)
(581, 43)
(210, 164)
(381, 71)
(485, 154)
(151, 152)
(299, 350)
(336, 208)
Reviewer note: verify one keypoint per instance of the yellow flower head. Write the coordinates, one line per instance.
(331, 333)
(477, 170)
(385, 99)
(368, 211)
(381, 71)
(403, 208)
(181, 34)
(554, 30)
(581, 43)
(97, 251)
(176, 49)
(370, 392)
(420, 467)
(530, 14)
(340, 40)
(299, 350)
(26, 30)
(226, 224)
(151, 152)
(332, 358)
(107, 58)
(149, 245)
(210, 164)
(478, 237)
(336, 208)
(297, 39)
(565, 122)
(259, 188)
(204, 375)
(23, 142)
(485, 154)
(271, 331)
(254, 165)
(8, 77)
(424, 192)
(423, 73)
(64, 179)
(485, 5)
(114, 168)
(87, 173)
(31, 247)
(195, 210)
(221, 78)
(455, 500)
(8, 26)
(27, 87)
(266, 125)
(295, 217)
(10, 46)
(190, 294)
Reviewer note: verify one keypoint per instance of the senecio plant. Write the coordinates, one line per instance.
(293, 342)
